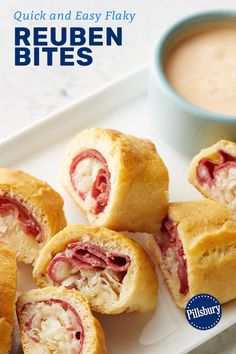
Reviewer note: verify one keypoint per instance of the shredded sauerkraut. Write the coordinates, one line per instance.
(52, 329)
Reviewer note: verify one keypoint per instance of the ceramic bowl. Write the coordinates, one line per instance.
(185, 126)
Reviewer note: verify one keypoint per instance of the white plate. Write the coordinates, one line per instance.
(38, 150)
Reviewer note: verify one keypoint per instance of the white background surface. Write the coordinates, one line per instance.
(29, 93)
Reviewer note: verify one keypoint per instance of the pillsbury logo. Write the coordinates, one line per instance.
(203, 311)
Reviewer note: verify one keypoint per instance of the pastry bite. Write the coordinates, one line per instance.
(117, 180)
(30, 213)
(57, 320)
(196, 251)
(213, 173)
(8, 279)
(112, 271)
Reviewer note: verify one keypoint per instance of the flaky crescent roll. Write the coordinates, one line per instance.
(57, 320)
(8, 279)
(196, 251)
(118, 181)
(213, 173)
(112, 271)
(30, 213)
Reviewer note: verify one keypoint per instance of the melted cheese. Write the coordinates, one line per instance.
(12, 234)
(9, 225)
(83, 178)
(224, 189)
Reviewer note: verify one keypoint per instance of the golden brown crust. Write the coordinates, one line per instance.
(8, 278)
(209, 241)
(140, 286)
(99, 342)
(94, 342)
(45, 204)
(197, 217)
(139, 179)
(5, 336)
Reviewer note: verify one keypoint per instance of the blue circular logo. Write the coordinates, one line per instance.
(203, 311)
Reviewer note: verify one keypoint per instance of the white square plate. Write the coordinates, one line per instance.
(39, 149)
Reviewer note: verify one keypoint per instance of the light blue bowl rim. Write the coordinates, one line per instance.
(188, 21)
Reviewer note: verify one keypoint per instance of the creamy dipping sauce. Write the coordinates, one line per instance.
(202, 68)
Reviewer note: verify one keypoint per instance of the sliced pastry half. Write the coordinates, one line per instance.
(118, 181)
(213, 173)
(196, 251)
(57, 320)
(8, 280)
(30, 213)
(112, 271)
